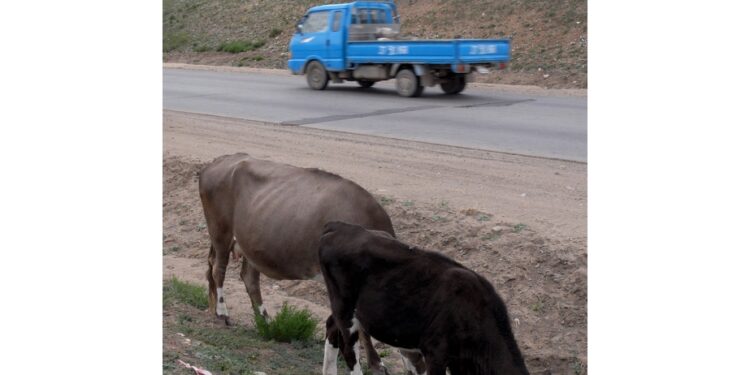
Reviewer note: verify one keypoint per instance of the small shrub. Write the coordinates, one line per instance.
(187, 293)
(274, 32)
(238, 46)
(518, 228)
(386, 200)
(491, 236)
(201, 48)
(288, 325)
(173, 41)
(440, 219)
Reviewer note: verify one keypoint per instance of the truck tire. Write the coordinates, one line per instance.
(366, 84)
(317, 77)
(454, 86)
(408, 84)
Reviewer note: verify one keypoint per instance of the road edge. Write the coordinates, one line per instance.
(520, 89)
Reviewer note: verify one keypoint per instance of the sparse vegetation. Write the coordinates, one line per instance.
(439, 218)
(491, 236)
(174, 41)
(184, 292)
(202, 48)
(238, 46)
(518, 228)
(537, 306)
(236, 349)
(274, 33)
(290, 324)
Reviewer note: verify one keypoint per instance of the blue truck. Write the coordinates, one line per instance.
(360, 41)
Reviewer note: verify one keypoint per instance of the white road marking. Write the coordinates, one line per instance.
(221, 306)
(329, 359)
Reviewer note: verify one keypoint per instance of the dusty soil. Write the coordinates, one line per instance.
(518, 221)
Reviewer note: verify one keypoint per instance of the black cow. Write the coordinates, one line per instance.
(436, 311)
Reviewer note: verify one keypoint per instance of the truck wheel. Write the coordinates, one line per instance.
(454, 86)
(408, 84)
(317, 77)
(366, 84)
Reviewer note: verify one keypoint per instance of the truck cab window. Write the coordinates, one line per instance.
(336, 22)
(315, 23)
(377, 16)
(363, 16)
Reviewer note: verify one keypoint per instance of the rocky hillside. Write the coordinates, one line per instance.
(549, 36)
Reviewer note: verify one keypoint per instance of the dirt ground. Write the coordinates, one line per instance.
(518, 221)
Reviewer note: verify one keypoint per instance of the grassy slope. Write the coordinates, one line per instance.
(192, 335)
(549, 36)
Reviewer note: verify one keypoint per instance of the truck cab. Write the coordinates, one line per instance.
(323, 32)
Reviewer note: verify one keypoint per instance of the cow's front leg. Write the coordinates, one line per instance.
(333, 341)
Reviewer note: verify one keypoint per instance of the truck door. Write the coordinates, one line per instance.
(310, 42)
(335, 42)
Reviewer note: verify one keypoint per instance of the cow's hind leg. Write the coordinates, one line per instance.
(413, 362)
(251, 277)
(373, 359)
(218, 258)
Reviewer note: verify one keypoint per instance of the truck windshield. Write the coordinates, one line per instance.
(315, 22)
(372, 24)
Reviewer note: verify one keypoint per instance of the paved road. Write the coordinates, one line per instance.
(489, 119)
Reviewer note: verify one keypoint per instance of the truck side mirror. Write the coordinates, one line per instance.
(299, 28)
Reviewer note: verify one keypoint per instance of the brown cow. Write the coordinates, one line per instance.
(439, 313)
(275, 214)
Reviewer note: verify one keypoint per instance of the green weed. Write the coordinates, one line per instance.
(290, 324)
(386, 200)
(238, 46)
(173, 41)
(184, 292)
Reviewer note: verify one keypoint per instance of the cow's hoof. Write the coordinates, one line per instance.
(224, 319)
